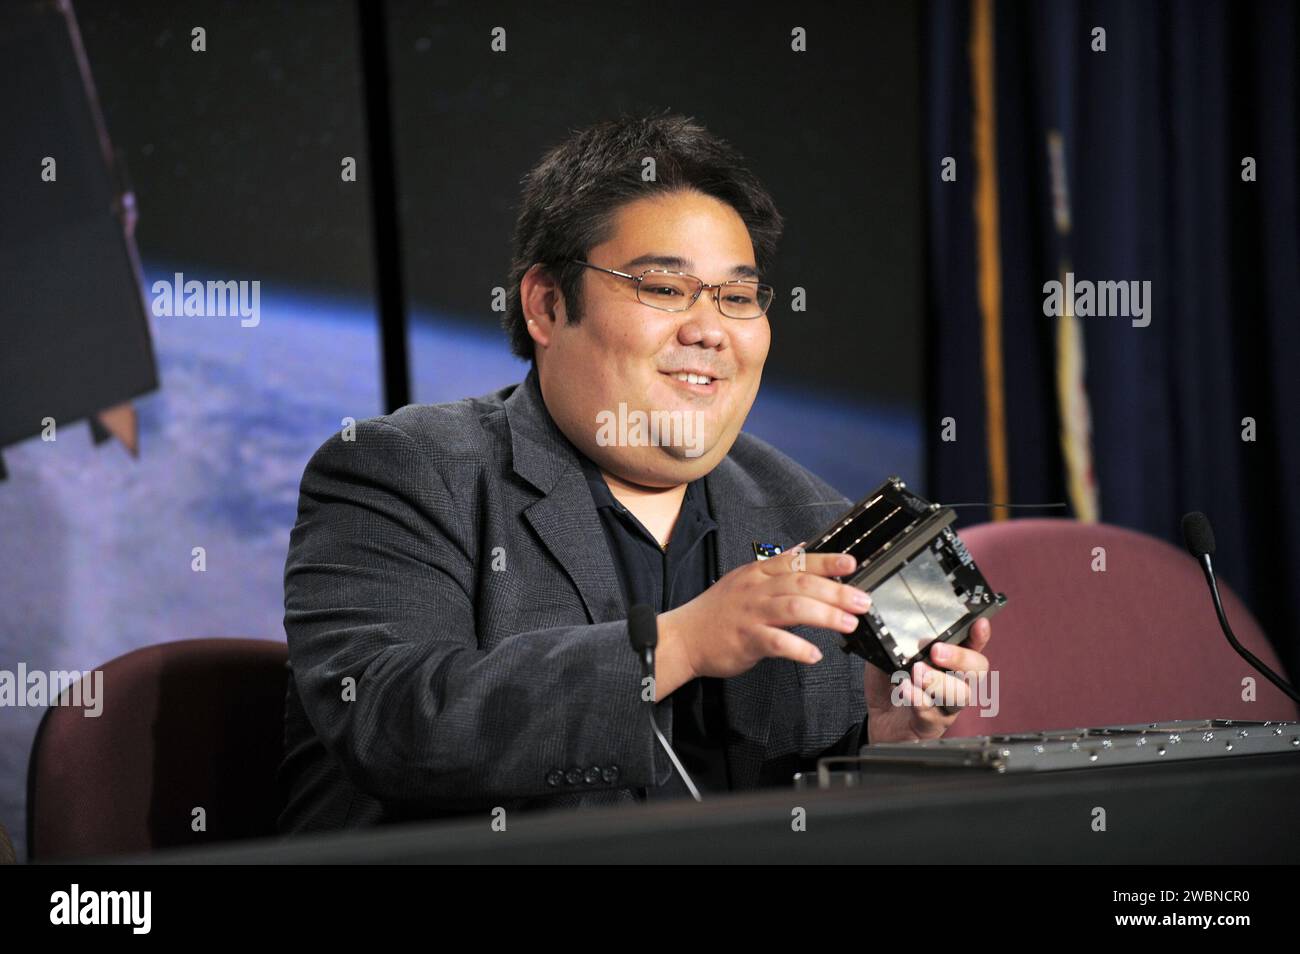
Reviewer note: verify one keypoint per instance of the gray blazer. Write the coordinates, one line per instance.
(457, 635)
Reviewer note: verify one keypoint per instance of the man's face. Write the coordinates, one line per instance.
(626, 352)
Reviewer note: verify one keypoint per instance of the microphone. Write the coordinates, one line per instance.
(1198, 538)
(643, 633)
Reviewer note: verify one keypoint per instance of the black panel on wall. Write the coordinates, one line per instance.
(235, 153)
(833, 132)
(76, 339)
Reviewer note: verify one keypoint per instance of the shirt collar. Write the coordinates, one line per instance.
(694, 502)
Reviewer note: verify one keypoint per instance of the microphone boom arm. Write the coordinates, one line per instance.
(1208, 569)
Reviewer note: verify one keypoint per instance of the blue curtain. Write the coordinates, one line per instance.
(1155, 130)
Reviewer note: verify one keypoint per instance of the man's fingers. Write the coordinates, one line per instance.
(928, 719)
(779, 644)
(913, 695)
(796, 610)
(841, 595)
(944, 689)
(980, 634)
(797, 560)
(958, 658)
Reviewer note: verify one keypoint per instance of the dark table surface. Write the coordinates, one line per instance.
(1225, 810)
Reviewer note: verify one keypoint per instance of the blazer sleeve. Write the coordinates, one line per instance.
(380, 619)
(852, 740)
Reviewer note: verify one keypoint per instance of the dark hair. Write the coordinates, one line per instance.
(569, 199)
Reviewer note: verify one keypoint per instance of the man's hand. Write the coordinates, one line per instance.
(740, 619)
(921, 717)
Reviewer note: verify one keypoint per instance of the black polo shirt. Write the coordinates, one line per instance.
(665, 578)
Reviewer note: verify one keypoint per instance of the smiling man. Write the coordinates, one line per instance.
(459, 579)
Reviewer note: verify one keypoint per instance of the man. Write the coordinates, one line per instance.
(458, 583)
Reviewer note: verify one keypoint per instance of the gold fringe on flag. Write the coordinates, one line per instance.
(1071, 386)
(988, 252)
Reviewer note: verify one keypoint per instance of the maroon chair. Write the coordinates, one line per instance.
(1138, 643)
(191, 724)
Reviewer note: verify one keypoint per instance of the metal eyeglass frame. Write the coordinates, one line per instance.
(703, 285)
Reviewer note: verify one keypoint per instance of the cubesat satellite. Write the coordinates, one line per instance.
(923, 583)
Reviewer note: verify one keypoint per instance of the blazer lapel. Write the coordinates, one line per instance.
(564, 517)
(567, 524)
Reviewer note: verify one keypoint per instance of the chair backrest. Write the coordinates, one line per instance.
(183, 726)
(1136, 642)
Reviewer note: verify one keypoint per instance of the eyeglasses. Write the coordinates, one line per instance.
(677, 291)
